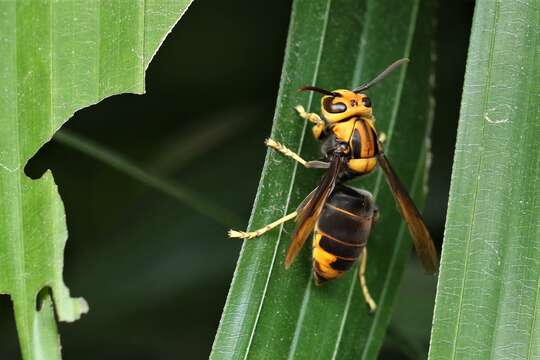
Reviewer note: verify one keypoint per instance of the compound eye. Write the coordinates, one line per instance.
(366, 101)
(330, 107)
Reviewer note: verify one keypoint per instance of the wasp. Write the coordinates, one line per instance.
(339, 216)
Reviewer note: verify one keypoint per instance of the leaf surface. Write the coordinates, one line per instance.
(276, 314)
(57, 57)
(488, 297)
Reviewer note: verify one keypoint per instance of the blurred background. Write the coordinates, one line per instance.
(186, 159)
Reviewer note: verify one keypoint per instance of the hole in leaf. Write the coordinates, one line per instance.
(38, 164)
(42, 296)
(108, 212)
(8, 331)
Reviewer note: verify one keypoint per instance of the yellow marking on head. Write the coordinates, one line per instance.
(347, 104)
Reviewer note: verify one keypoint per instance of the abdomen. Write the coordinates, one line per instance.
(342, 232)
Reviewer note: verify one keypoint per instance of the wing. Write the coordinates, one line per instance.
(310, 209)
(419, 232)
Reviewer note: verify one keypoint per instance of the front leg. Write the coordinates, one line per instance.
(320, 125)
(314, 164)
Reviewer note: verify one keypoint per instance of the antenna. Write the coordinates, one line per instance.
(319, 90)
(381, 76)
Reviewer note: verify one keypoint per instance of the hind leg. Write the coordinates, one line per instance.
(361, 275)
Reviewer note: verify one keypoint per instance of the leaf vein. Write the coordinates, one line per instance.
(477, 184)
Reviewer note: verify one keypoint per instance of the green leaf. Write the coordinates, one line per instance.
(488, 297)
(276, 314)
(57, 57)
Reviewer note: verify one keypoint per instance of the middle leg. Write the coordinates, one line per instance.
(253, 234)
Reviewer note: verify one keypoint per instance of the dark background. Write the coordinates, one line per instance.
(154, 270)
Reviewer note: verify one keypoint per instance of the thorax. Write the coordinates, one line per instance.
(360, 134)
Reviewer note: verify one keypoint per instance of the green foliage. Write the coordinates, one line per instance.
(272, 313)
(488, 301)
(61, 56)
(57, 57)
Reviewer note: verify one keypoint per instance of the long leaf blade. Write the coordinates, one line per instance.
(57, 57)
(487, 303)
(332, 44)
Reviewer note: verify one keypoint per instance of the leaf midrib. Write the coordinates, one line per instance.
(20, 264)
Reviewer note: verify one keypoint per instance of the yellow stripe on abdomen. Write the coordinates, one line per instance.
(322, 261)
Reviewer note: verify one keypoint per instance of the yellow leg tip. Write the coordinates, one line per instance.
(372, 307)
(271, 143)
(234, 234)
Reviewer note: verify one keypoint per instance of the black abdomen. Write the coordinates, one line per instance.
(342, 231)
